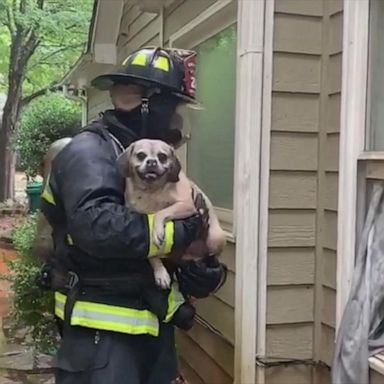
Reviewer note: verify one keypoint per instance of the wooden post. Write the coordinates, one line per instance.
(352, 141)
(251, 16)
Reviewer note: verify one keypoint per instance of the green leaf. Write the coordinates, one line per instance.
(45, 120)
(62, 30)
(30, 307)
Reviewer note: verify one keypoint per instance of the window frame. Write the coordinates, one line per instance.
(209, 23)
(353, 136)
(357, 165)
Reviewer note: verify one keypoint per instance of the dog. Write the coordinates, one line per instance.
(156, 184)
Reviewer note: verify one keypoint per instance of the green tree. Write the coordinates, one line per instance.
(44, 121)
(39, 42)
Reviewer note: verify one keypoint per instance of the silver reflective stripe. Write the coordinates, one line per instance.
(109, 317)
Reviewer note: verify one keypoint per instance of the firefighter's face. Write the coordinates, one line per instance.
(126, 97)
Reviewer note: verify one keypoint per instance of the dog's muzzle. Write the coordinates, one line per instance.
(151, 171)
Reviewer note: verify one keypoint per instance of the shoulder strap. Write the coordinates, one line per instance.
(117, 146)
(99, 127)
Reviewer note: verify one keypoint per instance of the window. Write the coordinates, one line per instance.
(208, 156)
(210, 152)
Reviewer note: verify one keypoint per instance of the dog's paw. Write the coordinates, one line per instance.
(159, 235)
(216, 241)
(162, 278)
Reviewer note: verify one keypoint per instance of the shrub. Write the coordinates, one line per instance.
(47, 119)
(31, 307)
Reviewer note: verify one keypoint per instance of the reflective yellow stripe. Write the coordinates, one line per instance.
(140, 59)
(47, 193)
(168, 241)
(47, 196)
(109, 317)
(175, 299)
(161, 63)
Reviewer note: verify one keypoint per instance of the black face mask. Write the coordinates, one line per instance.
(157, 122)
(161, 110)
(130, 119)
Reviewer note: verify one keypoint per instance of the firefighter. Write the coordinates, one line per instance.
(116, 325)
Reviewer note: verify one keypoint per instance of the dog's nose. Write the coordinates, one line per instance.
(151, 163)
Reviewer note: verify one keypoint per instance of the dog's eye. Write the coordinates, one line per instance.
(162, 157)
(141, 156)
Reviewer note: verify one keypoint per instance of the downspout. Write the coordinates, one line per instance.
(161, 32)
(82, 100)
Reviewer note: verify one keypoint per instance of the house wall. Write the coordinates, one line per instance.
(301, 295)
(206, 352)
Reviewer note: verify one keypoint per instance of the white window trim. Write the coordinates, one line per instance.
(352, 141)
(213, 20)
(252, 162)
(265, 144)
(210, 22)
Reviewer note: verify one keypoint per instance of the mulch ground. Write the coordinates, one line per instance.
(7, 223)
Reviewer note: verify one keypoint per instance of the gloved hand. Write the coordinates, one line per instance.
(193, 228)
(201, 278)
(186, 231)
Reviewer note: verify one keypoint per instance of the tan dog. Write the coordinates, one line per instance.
(43, 244)
(156, 184)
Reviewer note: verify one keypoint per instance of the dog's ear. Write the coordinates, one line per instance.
(123, 162)
(174, 170)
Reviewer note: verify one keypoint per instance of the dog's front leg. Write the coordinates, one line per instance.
(179, 210)
(161, 274)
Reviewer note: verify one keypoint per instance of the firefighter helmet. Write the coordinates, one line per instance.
(170, 70)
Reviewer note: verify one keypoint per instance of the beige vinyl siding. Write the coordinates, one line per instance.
(293, 187)
(179, 14)
(137, 29)
(197, 360)
(299, 374)
(299, 266)
(326, 224)
(301, 294)
(328, 185)
(213, 339)
(295, 112)
(98, 101)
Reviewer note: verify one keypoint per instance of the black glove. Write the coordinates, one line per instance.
(193, 228)
(186, 231)
(201, 278)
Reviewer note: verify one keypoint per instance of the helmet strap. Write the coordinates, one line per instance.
(144, 115)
